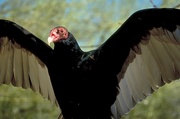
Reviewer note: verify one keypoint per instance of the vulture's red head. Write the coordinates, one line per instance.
(57, 34)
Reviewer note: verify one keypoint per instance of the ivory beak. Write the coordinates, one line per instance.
(50, 40)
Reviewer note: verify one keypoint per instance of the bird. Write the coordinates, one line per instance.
(103, 83)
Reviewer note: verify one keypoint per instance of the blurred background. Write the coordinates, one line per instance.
(91, 22)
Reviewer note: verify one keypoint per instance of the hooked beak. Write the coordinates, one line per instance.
(50, 40)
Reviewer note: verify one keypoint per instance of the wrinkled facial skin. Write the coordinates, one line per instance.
(57, 34)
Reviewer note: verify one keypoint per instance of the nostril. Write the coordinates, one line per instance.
(59, 33)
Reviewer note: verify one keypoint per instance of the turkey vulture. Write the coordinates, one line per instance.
(142, 55)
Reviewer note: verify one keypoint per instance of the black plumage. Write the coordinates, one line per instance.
(137, 59)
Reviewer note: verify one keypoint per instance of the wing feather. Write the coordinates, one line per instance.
(17, 66)
(23, 69)
(23, 59)
(3, 63)
(9, 64)
(126, 93)
(157, 64)
(33, 68)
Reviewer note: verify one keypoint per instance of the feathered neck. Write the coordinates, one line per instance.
(68, 49)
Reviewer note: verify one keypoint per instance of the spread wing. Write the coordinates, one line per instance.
(144, 53)
(23, 59)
